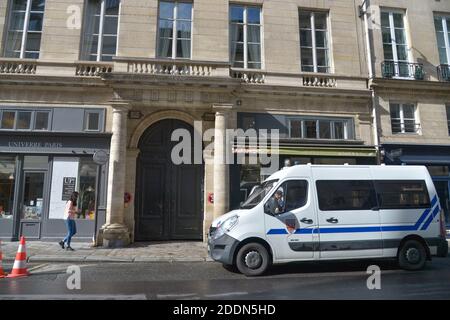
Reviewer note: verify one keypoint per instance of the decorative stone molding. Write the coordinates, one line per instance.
(155, 117)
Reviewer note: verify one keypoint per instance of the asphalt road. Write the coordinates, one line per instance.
(208, 280)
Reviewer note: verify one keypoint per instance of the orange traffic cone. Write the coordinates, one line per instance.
(2, 273)
(20, 264)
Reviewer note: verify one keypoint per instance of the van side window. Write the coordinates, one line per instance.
(291, 195)
(404, 194)
(337, 195)
(296, 194)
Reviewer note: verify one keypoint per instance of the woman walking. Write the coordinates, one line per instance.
(69, 217)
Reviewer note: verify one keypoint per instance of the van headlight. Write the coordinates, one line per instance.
(225, 227)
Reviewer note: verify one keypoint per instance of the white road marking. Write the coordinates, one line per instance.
(38, 267)
(73, 297)
(175, 295)
(226, 294)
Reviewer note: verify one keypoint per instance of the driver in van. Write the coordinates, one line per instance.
(275, 204)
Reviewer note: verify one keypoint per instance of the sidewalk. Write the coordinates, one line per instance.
(187, 251)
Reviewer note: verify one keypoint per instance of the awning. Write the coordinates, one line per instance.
(426, 159)
(313, 151)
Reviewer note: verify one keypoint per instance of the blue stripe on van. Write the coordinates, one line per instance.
(372, 229)
(430, 218)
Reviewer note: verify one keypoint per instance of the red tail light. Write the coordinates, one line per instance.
(442, 223)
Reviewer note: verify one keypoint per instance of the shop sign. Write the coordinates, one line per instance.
(100, 157)
(69, 184)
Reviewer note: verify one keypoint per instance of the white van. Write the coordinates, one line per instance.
(321, 212)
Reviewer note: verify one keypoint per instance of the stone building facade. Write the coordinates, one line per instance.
(121, 76)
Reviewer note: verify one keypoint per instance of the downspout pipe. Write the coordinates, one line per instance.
(365, 7)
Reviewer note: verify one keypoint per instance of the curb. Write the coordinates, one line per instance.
(101, 259)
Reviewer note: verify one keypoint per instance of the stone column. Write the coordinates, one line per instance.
(115, 233)
(221, 168)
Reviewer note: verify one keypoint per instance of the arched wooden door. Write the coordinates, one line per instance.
(168, 196)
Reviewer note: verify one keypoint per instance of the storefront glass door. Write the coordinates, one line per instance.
(32, 203)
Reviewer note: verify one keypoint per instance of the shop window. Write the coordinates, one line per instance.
(320, 128)
(8, 120)
(346, 195)
(35, 162)
(25, 120)
(402, 194)
(87, 173)
(7, 185)
(42, 121)
(248, 122)
(438, 171)
(92, 121)
(79, 174)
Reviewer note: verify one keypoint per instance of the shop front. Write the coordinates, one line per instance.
(245, 176)
(39, 171)
(435, 157)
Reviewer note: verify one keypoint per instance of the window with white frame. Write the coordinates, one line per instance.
(314, 44)
(174, 29)
(395, 44)
(100, 30)
(442, 26)
(92, 120)
(447, 107)
(323, 128)
(403, 118)
(245, 36)
(23, 38)
(28, 120)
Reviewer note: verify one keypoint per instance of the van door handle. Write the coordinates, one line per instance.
(306, 220)
(332, 220)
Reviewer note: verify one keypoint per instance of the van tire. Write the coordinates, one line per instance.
(230, 267)
(253, 259)
(412, 255)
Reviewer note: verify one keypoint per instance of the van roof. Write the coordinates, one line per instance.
(393, 172)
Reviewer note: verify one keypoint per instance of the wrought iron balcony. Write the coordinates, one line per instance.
(392, 69)
(443, 72)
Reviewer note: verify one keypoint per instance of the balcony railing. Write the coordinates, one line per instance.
(16, 66)
(92, 69)
(408, 126)
(53, 68)
(321, 81)
(443, 72)
(248, 75)
(392, 69)
(169, 67)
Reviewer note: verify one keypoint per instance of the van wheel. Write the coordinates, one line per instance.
(412, 255)
(253, 259)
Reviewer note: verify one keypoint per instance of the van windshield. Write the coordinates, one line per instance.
(259, 192)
